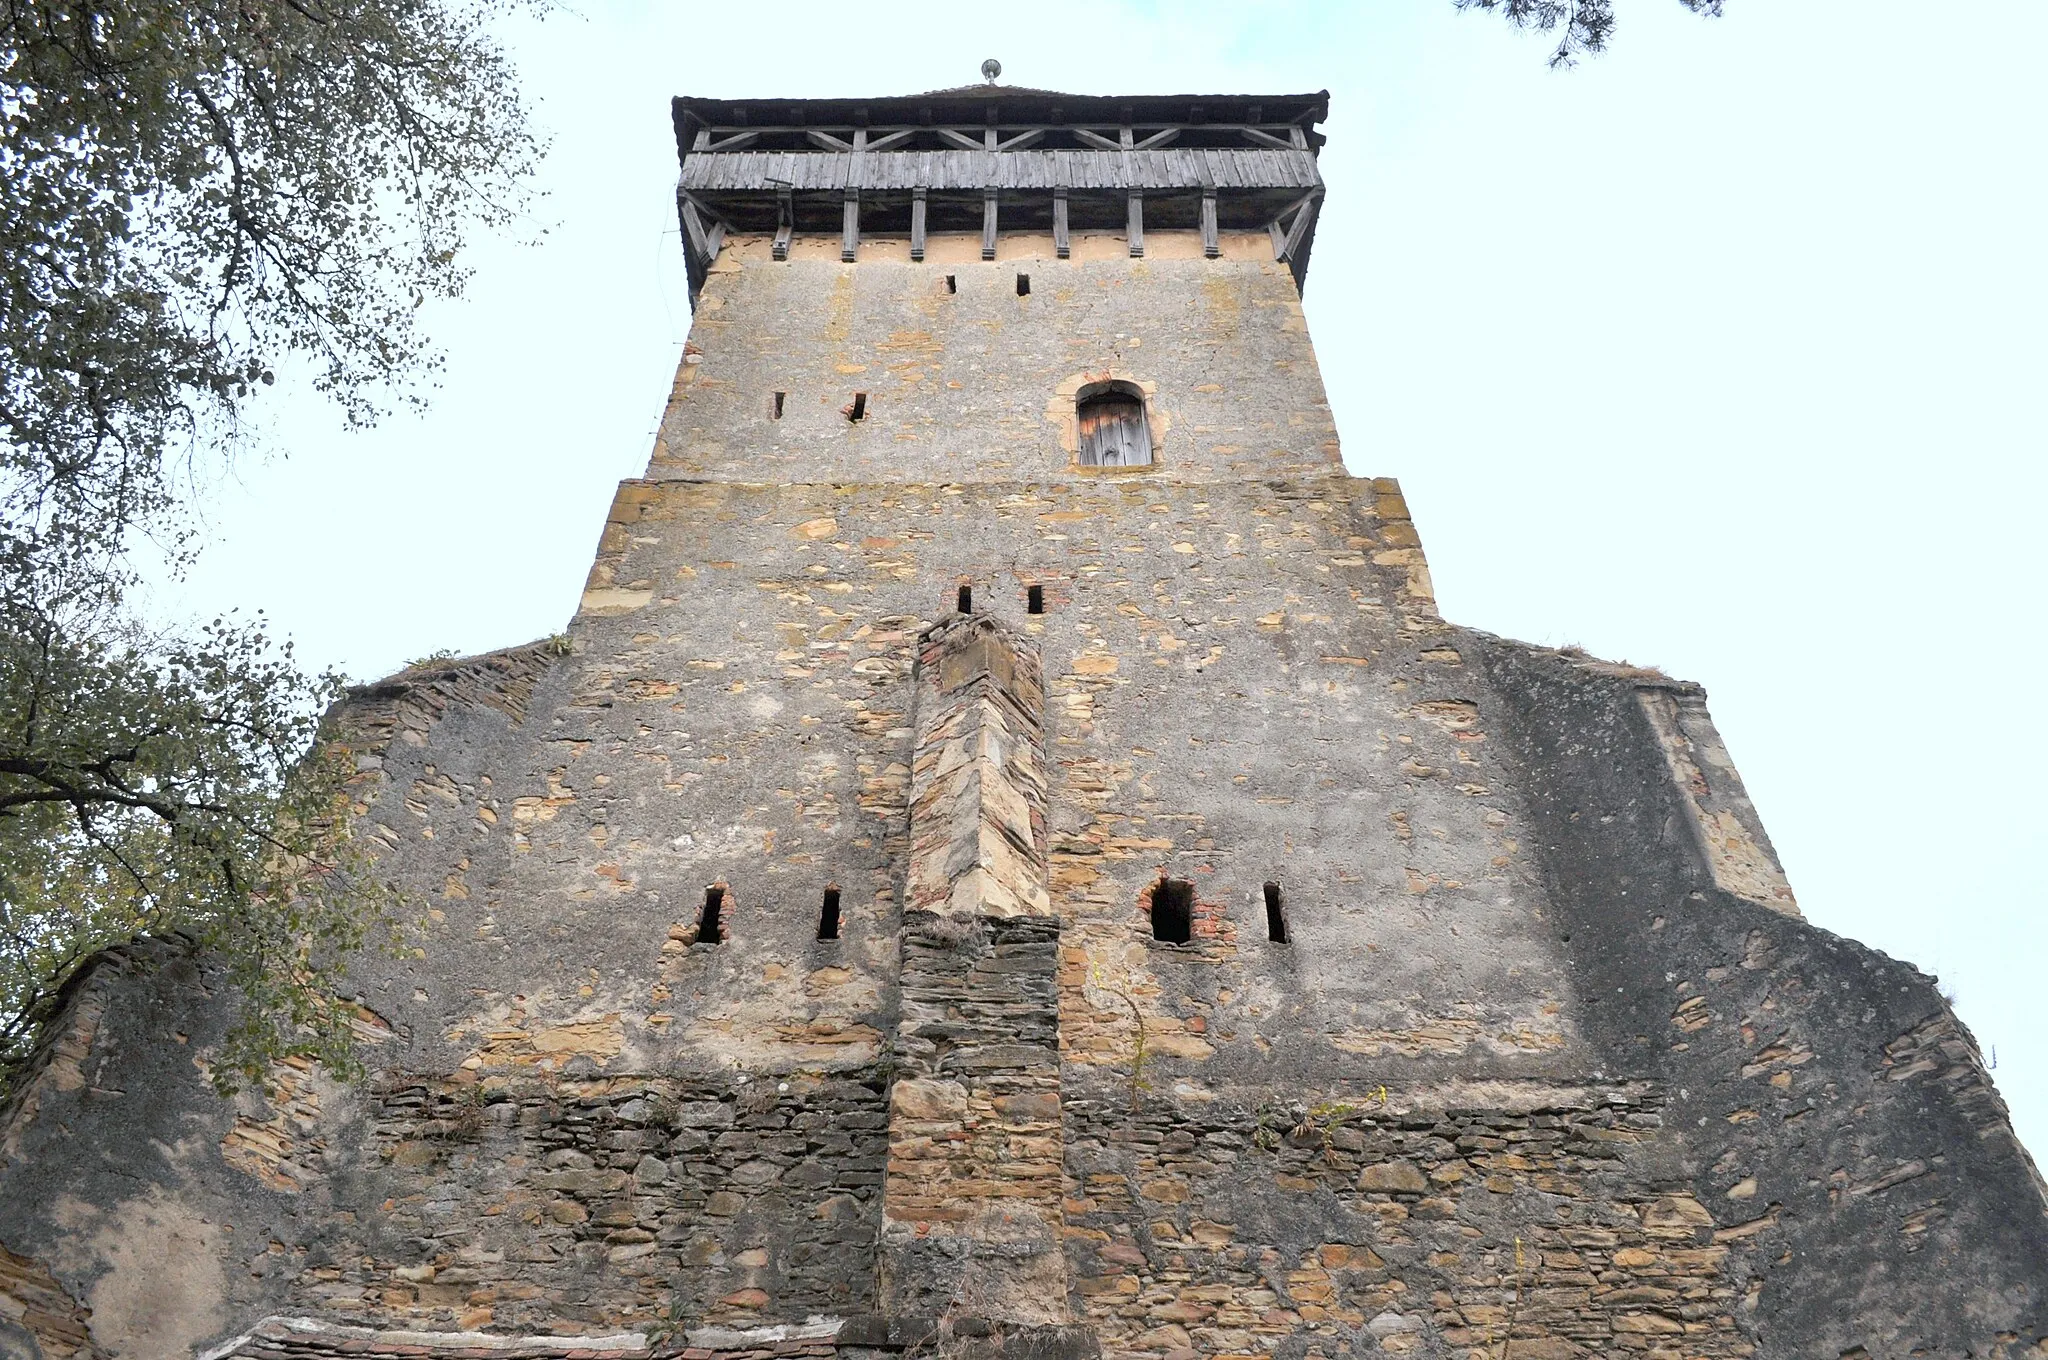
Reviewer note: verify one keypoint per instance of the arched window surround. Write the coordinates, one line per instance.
(1063, 411)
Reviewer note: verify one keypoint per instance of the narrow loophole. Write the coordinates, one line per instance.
(859, 409)
(778, 405)
(710, 926)
(964, 601)
(1034, 599)
(828, 916)
(1023, 285)
(1276, 916)
(1173, 911)
(952, 284)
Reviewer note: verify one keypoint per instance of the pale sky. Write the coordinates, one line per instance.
(1721, 353)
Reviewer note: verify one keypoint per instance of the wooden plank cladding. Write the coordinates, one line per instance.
(999, 160)
(834, 171)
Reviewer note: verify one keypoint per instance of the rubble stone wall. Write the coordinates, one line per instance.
(1543, 1063)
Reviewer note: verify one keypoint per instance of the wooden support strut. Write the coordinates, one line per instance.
(1134, 211)
(701, 244)
(988, 224)
(785, 222)
(1062, 243)
(1288, 241)
(917, 208)
(1211, 247)
(702, 241)
(849, 221)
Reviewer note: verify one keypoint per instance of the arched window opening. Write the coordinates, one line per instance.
(1112, 427)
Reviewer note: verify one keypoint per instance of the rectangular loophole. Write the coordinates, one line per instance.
(952, 284)
(711, 922)
(1023, 285)
(778, 406)
(828, 916)
(964, 600)
(859, 409)
(1034, 599)
(1276, 915)
(1173, 910)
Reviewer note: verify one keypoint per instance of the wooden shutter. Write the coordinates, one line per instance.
(1113, 432)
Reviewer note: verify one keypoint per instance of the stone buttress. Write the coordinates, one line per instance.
(971, 1209)
(1008, 861)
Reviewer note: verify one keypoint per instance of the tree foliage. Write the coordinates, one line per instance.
(1583, 26)
(195, 195)
(154, 786)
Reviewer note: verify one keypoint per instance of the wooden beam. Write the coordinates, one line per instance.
(1286, 214)
(988, 224)
(1097, 140)
(826, 140)
(844, 131)
(1252, 134)
(739, 141)
(1022, 140)
(1297, 231)
(694, 234)
(1157, 139)
(1211, 247)
(1135, 218)
(849, 227)
(785, 223)
(700, 243)
(1061, 243)
(892, 139)
(959, 139)
(917, 223)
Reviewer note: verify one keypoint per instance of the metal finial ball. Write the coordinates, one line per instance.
(990, 69)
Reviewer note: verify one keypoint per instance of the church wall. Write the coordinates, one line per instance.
(1838, 1119)
(1547, 1060)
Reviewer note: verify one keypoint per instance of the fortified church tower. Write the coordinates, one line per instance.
(1009, 862)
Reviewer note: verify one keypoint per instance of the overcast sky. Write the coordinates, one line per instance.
(1723, 352)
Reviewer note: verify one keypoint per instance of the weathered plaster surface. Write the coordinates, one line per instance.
(1547, 1064)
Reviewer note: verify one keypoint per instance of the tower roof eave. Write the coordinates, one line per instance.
(1020, 105)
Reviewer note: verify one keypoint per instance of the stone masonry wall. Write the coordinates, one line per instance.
(611, 1204)
(1837, 1119)
(977, 383)
(1545, 1065)
(1545, 1229)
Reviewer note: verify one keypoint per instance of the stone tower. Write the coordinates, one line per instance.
(1010, 862)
